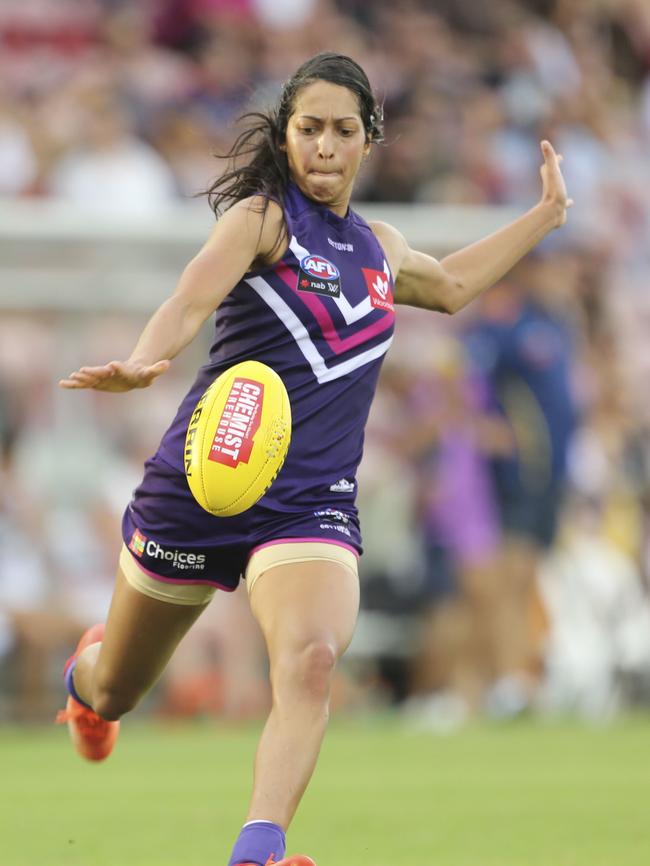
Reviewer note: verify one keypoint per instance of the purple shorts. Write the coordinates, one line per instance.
(171, 536)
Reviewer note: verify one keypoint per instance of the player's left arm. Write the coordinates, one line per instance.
(450, 284)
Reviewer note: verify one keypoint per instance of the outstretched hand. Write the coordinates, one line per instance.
(554, 191)
(115, 376)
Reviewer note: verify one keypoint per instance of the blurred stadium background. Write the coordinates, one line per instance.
(504, 493)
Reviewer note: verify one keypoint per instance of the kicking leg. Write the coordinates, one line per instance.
(141, 635)
(114, 666)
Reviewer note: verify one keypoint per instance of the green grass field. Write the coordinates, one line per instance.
(527, 794)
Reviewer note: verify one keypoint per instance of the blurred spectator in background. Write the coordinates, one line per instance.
(524, 344)
(33, 632)
(391, 567)
(597, 655)
(110, 167)
(18, 164)
(455, 436)
(220, 670)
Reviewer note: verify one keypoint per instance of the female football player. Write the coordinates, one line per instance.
(287, 225)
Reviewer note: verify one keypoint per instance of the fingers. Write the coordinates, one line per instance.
(104, 372)
(115, 376)
(87, 377)
(139, 377)
(159, 367)
(548, 151)
(147, 374)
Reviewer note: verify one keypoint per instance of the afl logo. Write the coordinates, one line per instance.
(317, 266)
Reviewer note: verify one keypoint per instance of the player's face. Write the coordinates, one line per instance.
(325, 143)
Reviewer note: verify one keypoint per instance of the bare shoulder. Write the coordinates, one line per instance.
(264, 217)
(387, 233)
(393, 243)
(256, 224)
(258, 206)
(250, 232)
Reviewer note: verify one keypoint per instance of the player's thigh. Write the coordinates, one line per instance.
(306, 602)
(141, 635)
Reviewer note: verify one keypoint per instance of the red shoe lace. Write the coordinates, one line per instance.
(90, 725)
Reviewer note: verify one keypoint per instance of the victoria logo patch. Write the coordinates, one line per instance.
(318, 275)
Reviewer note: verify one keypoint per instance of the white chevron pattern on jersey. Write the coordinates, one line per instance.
(350, 314)
(306, 345)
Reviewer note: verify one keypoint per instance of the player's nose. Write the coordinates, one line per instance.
(326, 144)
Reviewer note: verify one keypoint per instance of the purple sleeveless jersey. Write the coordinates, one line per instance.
(323, 319)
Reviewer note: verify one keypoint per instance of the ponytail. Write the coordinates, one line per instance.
(256, 164)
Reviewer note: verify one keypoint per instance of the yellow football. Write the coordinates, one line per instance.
(237, 438)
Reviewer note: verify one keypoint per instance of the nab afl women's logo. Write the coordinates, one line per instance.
(319, 275)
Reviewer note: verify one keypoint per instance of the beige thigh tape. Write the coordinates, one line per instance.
(283, 553)
(268, 556)
(163, 590)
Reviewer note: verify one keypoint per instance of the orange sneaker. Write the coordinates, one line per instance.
(92, 736)
(296, 860)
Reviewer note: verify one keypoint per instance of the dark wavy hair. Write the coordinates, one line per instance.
(257, 164)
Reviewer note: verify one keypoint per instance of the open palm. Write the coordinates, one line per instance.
(553, 186)
(116, 376)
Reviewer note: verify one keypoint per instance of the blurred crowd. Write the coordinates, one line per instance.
(505, 490)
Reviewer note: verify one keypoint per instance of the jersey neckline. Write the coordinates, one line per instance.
(333, 219)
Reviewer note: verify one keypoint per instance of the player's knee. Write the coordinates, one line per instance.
(308, 672)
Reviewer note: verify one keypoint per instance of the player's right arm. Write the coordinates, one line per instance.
(241, 236)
